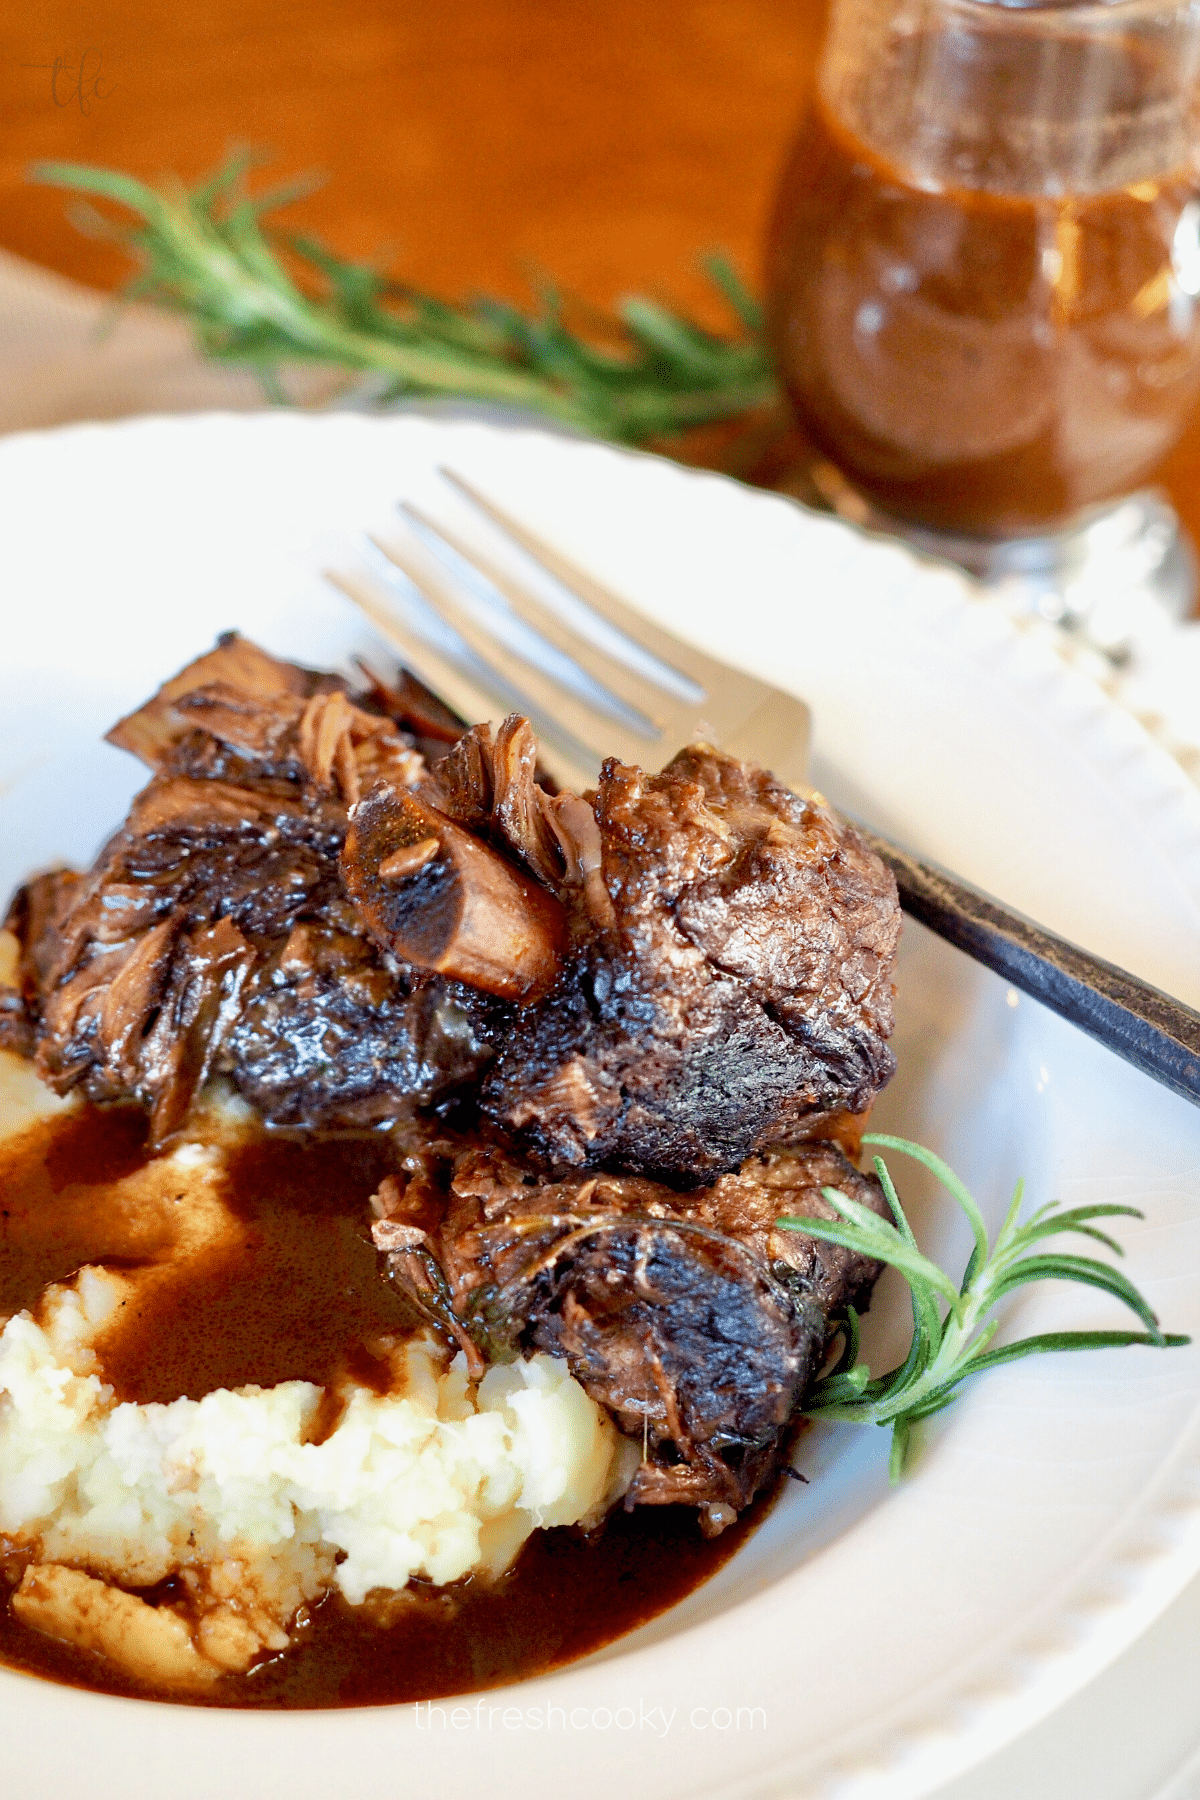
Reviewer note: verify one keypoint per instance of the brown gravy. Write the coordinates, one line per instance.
(302, 1298)
(299, 1299)
(980, 361)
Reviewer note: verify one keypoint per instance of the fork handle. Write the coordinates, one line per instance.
(1156, 1034)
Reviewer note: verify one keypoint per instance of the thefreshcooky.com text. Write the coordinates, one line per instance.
(660, 1721)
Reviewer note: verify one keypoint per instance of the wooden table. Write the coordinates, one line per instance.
(607, 142)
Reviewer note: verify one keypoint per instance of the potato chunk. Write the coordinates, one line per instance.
(150, 1643)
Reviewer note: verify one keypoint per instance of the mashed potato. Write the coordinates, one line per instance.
(232, 1495)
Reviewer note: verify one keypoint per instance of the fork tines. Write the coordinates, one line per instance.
(594, 676)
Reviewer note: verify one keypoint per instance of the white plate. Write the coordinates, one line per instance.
(875, 1641)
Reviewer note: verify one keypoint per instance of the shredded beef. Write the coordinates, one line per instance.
(213, 934)
(663, 977)
(737, 992)
(694, 1318)
(621, 1029)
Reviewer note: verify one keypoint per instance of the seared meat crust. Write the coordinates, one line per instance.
(707, 972)
(694, 1318)
(213, 934)
(625, 1003)
(741, 993)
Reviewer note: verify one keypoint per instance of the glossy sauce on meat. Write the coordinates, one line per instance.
(302, 1297)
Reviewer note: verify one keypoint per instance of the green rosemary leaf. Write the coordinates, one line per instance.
(240, 232)
(1073, 1340)
(1012, 1215)
(893, 1200)
(109, 184)
(227, 179)
(850, 1341)
(685, 350)
(969, 1273)
(898, 1454)
(936, 1401)
(1052, 1229)
(835, 1390)
(927, 1334)
(892, 1245)
(883, 1245)
(1074, 1221)
(923, 1347)
(927, 1323)
(740, 300)
(865, 1217)
(301, 187)
(945, 1174)
(833, 1231)
(1075, 1268)
(946, 1349)
(977, 1345)
(257, 296)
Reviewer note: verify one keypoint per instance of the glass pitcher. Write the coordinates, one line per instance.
(983, 268)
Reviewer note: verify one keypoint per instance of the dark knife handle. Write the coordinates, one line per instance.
(1156, 1034)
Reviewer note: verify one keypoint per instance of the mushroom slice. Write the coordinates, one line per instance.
(437, 896)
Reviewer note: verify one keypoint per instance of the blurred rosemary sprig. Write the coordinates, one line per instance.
(951, 1328)
(259, 296)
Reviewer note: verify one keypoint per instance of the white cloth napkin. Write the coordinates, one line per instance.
(67, 354)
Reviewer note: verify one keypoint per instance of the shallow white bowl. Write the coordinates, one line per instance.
(867, 1641)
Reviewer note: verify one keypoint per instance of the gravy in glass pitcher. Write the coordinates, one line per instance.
(984, 264)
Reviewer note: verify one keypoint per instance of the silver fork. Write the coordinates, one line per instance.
(597, 678)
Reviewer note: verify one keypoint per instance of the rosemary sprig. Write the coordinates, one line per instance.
(951, 1327)
(206, 254)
